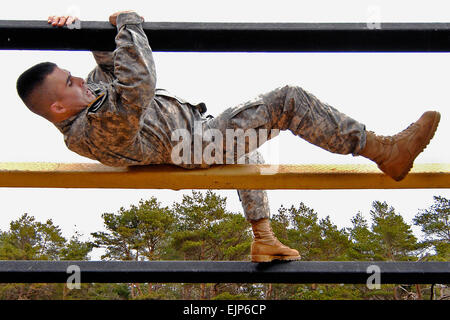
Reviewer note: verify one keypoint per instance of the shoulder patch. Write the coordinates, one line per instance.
(97, 103)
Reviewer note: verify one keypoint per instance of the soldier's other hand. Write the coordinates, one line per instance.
(113, 17)
(61, 21)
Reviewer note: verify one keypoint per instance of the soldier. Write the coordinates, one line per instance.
(118, 117)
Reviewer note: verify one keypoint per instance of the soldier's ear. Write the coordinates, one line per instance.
(57, 108)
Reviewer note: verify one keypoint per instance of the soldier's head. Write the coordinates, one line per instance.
(52, 92)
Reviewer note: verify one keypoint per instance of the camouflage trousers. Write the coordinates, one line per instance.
(287, 108)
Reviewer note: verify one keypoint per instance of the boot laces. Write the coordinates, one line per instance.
(267, 236)
(392, 139)
(265, 233)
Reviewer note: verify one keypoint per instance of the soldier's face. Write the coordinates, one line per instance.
(70, 92)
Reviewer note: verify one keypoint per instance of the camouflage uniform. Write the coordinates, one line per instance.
(131, 123)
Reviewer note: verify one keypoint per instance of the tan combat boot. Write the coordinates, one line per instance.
(266, 247)
(395, 155)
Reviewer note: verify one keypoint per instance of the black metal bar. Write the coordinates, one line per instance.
(237, 37)
(225, 272)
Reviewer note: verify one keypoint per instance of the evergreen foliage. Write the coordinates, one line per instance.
(199, 227)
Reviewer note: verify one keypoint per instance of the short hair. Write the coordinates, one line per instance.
(30, 80)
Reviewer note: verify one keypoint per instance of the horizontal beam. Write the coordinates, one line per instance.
(224, 271)
(92, 175)
(237, 37)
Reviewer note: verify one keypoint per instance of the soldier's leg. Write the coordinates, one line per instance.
(283, 109)
(254, 202)
(265, 246)
(292, 108)
(326, 127)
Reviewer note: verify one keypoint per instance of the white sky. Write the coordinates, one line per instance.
(384, 91)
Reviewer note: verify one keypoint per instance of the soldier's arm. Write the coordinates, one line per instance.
(134, 68)
(104, 71)
(116, 125)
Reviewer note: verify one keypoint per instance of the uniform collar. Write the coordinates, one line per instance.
(64, 126)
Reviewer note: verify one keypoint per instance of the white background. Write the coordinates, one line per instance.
(384, 91)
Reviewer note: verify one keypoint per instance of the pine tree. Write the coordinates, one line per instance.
(363, 244)
(394, 239)
(207, 231)
(435, 224)
(316, 239)
(139, 233)
(28, 239)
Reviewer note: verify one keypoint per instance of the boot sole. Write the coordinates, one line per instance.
(269, 258)
(437, 118)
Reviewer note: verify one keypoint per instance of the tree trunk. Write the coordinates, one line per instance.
(65, 289)
(396, 293)
(214, 290)
(442, 292)
(187, 292)
(202, 292)
(138, 287)
(202, 285)
(419, 292)
(150, 288)
(269, 291)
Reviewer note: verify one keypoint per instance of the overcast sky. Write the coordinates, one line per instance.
(384, 91)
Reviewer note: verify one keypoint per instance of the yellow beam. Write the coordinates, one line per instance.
(92, 175)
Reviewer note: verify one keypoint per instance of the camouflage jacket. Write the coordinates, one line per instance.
(131, 121)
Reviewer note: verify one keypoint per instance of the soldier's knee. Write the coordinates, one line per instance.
(290, 89)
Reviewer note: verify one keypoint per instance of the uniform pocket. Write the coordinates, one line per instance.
(246, 105)
(252, 114)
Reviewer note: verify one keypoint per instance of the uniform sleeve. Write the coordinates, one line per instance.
(116, 125)
(134, 68)
(130, 69)
(104, 71)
